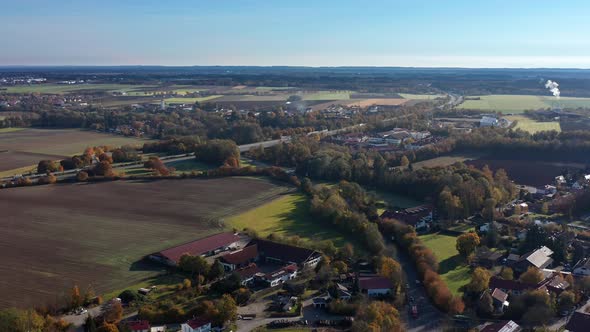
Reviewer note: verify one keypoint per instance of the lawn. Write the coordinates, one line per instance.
(444, 161)
(10, 130)
(520, 103)
(532, 126)
(182, 100)
(287, 215)
(395, 200)
(94, 234)
(420, 96)
(189, 165)
(452, 268)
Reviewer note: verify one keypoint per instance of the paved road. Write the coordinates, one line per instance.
(429, 317)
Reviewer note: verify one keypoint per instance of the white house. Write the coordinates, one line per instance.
(488, 121)
(196, 325)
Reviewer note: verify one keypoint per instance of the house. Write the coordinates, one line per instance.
(160, 328)
(281, 275)
(488, 258)
(139, 326)
(582, 268)
(488, 121)
(239, 258)
(524, 207)
(539, 258)
(509, 286)
(342, 292)
(375, 286)
(321, 302)
(284, 254)
(499, 300)
(504, 326)
(579, 322)
(196, 325)
(248, 273)
(208, 246)
(560, 180)
(419, 216)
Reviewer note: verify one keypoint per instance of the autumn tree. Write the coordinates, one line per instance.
(195, 265)
(466, 243)
(566, 300)
(391, 269)
(376, 317)
(507, 273)
(103, 168)
(108, 327)
(480, 280)
(75, 297)
(113, 312)
(485, 304)
(216, 270)
(82, 176)
(532, 276)
(105, 157)
(404, 161)
(157, 165)
(48, 166)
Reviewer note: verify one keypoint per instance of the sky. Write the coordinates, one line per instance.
(407, 33)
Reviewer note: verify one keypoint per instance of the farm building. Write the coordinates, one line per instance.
(582, 268)
(278, 253)
(280, 276)
(139, 326)
(248, 273)
(208, 246)
(419, 216)
(375, 286)
(239, 258)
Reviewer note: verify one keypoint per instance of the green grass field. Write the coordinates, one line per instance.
(393, 199)
(520, 103)
(452, 267)
(444, 161)
(189, 165)
(419, 96)
(328, 95)
(270, 88)
(287, 215)
(532, 126)
(10, 130)
(181, 100)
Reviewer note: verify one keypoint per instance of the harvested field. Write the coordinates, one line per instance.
(252, 98)
(532, 173)
(10, 160)
(188, 100)
(69, 88)
(444, 161)
(60, 142)
(97, 234)
(420, 97)
(378, 101)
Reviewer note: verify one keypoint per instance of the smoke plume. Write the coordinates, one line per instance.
(553, 87)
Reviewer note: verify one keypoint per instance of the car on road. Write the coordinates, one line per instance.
(414, 311)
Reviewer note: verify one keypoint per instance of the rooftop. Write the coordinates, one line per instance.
(375, 282)
(241, 256)
(508, 326)
(200, 247)
(579, 322)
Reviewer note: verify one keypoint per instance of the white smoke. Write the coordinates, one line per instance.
(553, 87)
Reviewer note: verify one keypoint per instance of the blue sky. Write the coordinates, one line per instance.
(455, 33)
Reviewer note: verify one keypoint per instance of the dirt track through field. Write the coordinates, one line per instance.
(52, 237)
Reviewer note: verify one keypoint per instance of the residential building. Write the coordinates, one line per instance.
(505, 326)
(196, 325)
(248, 273)
(488, 121)
(139, 326)
(280, 276)
(375, 286)
(539, 258)
(159, 328)
(500, 299)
